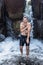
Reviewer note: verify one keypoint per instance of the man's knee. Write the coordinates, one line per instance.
(27, 47)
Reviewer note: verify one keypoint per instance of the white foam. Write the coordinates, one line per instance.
(11, 47)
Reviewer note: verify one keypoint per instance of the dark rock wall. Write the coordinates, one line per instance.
(2, 23)
(15, 8)
(37, 8)
(10, 12)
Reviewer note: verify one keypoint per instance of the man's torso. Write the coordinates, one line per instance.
(26, 30)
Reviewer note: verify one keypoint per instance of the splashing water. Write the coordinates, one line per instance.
(10, 47)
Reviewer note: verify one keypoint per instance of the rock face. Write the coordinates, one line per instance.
(2, 37)
(0, 7)
(37, 8)
(2, 23)
(10, 10)
(38, 29)
(15, 8)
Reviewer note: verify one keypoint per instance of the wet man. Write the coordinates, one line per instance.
(25, 28)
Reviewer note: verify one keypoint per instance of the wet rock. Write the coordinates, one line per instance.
(2, 37)
(22, 61)
(9, 27)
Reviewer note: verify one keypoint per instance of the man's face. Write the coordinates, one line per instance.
(25, 20)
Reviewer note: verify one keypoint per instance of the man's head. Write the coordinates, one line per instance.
(25, 19)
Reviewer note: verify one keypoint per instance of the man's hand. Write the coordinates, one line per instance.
(27, 40)
(23, 28)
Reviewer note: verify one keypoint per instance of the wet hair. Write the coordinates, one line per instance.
(25, 17)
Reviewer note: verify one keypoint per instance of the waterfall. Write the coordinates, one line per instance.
(28, 12)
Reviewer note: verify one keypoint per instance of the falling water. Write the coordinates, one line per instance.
(29, 14)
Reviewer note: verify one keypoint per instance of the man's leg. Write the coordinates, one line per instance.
(21, 50)
(27, 51)
(27, 48)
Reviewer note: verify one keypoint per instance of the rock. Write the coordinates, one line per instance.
(2, 37)
(17, 60)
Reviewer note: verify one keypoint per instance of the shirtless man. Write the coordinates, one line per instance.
(25, 28)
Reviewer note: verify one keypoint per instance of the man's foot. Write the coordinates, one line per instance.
(21, 55)
(27, 57)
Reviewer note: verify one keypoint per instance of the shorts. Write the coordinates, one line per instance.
(23, 40)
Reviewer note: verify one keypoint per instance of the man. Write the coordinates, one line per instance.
(25, 28)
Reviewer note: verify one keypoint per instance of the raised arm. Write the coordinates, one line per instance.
(22, 28)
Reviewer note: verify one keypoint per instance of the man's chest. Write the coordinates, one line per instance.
(25, 26)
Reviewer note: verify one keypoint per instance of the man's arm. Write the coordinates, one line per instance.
(28, 35)
(29, 29)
